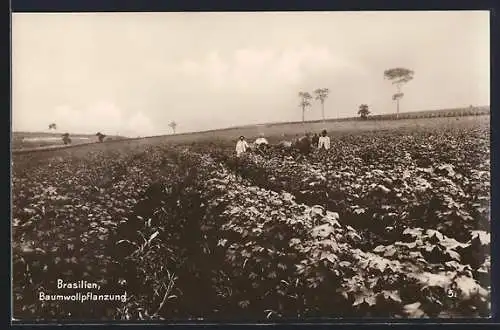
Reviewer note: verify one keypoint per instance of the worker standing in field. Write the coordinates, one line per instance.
(324, 141)
(241, 146)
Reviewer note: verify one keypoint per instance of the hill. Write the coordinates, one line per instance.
(348, 124)
(452, 112)
(278, 131)
(28, 140)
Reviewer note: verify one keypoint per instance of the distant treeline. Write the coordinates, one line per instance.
(18, 145)
(461, 112)
(457, 112)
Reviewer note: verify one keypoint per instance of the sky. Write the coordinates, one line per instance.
(133, 73)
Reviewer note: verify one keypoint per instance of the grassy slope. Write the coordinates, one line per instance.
(274, 132)
(279, 131)
(19, 143)
(21, 135)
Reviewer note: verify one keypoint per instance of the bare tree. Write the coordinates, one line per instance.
(398, 77)
(363, 111)
(173, 126)
(305, 103)
(321, 95)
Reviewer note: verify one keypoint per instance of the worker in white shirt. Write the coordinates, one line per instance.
(241, 146)
(324, 141)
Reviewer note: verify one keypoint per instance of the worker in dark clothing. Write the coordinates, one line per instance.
(315, 140)
(304, 145)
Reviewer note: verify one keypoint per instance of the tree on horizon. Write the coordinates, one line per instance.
(173, 126)
(66, 139)
(100, 136)
(363, 111)
(399, 77)
(305, 103)
(322, 95)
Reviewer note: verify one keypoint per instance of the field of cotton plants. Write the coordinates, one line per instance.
(392, 223)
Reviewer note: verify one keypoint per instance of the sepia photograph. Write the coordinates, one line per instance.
(250, 166)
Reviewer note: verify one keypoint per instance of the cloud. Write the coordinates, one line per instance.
(242, 86)
(243, 68)
(252, 84)
(258, 71)
(140, 124)
(105, 117)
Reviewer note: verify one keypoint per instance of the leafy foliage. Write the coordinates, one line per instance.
(399, 75)
(344, 232)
